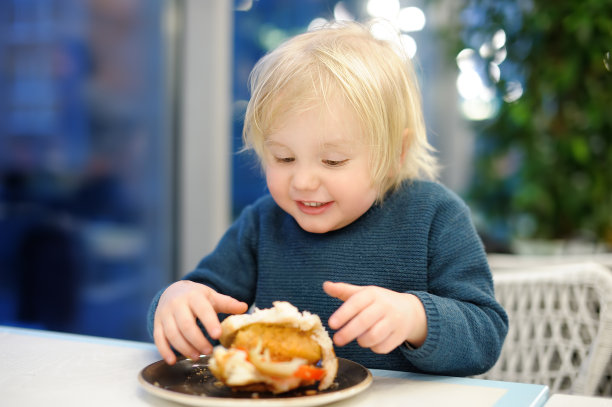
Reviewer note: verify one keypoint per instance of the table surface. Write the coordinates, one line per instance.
(49, 368)
(566, 400)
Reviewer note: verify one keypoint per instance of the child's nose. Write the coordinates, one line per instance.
(305, 178)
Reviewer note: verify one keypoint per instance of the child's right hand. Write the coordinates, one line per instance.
(175, 319)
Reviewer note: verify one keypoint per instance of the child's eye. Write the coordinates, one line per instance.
(335, 163)
(284, 160)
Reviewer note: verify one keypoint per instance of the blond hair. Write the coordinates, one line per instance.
(371, 75)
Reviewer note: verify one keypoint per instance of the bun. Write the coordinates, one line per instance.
(273, 338)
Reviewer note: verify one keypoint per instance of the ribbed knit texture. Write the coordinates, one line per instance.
(419, 240)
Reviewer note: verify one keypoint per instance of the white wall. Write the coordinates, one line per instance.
(205, 150)
(450, 131)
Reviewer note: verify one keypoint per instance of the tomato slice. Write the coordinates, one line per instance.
(306, 372)
(245, 350)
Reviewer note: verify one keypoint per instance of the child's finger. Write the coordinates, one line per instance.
(162, 344)
(175, 338)
(227, 305)
(355, 299)
(376, 334)
(185, 319)
(178, 341)
(342, 291)
(205, 312)
(357, 321)
(391, 342)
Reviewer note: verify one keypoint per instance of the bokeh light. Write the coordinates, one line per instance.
(341, 13)
(476, 70)
(317, 23)
(409, 45)
(411, 19)
(514, 90)
(499, 39)
(387, 9)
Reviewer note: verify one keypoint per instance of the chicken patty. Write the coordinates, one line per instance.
(284, 342)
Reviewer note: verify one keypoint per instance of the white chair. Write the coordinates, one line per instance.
(560, 330)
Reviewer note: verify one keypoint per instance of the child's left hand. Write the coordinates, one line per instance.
(380, 319)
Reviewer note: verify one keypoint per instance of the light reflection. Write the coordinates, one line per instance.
(411, 19)
(479, 101)
(387, 9)
(514, 91)
(384, 31)
(476, 109)
(494, 71)
(317, 23)
(409, 45)
(341, 13)
(500, 56)
(466, 59)
(606, 61)
(495, 49)
(396, 21)
(499, 39)
(471, 86)
(485, 50)
(244, 5)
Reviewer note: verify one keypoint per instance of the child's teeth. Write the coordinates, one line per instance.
(313, 203)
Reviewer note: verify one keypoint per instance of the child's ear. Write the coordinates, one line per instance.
(406, 138)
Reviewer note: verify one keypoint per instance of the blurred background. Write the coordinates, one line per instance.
(120, 121)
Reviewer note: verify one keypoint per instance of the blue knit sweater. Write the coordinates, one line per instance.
(420, 240)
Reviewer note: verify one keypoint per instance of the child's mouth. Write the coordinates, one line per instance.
(313, 208)
(313, 204)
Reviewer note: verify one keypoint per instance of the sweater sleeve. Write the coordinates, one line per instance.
(466, 325)
(230, 268)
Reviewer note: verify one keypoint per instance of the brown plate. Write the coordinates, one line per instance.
(190, 382)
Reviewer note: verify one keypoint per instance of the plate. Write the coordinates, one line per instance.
(190, 382)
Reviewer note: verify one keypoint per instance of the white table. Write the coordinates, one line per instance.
(566, 400)
(39, 368)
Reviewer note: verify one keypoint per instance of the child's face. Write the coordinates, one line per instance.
(317, 169)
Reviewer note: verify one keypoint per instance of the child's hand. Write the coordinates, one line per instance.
(380, 319)
(175, 319)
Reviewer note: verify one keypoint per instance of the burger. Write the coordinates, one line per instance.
(276, 349)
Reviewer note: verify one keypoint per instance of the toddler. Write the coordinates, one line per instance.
(355, 227)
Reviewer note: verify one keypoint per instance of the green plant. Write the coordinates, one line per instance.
(543, 165)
